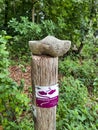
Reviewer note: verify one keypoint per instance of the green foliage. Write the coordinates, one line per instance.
(23, 31)
(84, 70)
(90, 48)
(75, 93)
(77, 108)
(75, 111)
(24, 124)
(24, 27)
(48, 28)
(13, 102)
(15, 9)
(72, 17)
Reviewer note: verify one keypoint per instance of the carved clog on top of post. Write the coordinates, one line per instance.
(51, 46)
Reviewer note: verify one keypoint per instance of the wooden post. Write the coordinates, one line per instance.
(1, 128)
(45, 78)
(44, 72)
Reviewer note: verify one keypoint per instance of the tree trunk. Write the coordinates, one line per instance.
(80, 48)
(6, 13)
(44, 72)
(33, 18)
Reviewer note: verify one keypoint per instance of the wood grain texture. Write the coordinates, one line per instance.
(1, 128)
(44, 72)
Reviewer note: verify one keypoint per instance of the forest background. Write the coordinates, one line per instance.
(75, 20)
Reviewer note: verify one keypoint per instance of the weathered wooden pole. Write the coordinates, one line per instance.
(44, 74)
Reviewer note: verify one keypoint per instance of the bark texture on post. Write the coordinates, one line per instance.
(44, 73)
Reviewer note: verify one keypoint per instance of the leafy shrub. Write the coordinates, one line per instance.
(48, 28)
(23, 32)
(75, 93)
(75, 111)
(90, 48)
(85, 70)
(26, 28)
(13, 102)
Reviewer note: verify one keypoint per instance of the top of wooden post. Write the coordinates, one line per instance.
(51, 46)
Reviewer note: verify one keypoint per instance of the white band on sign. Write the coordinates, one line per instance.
(47, 96)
